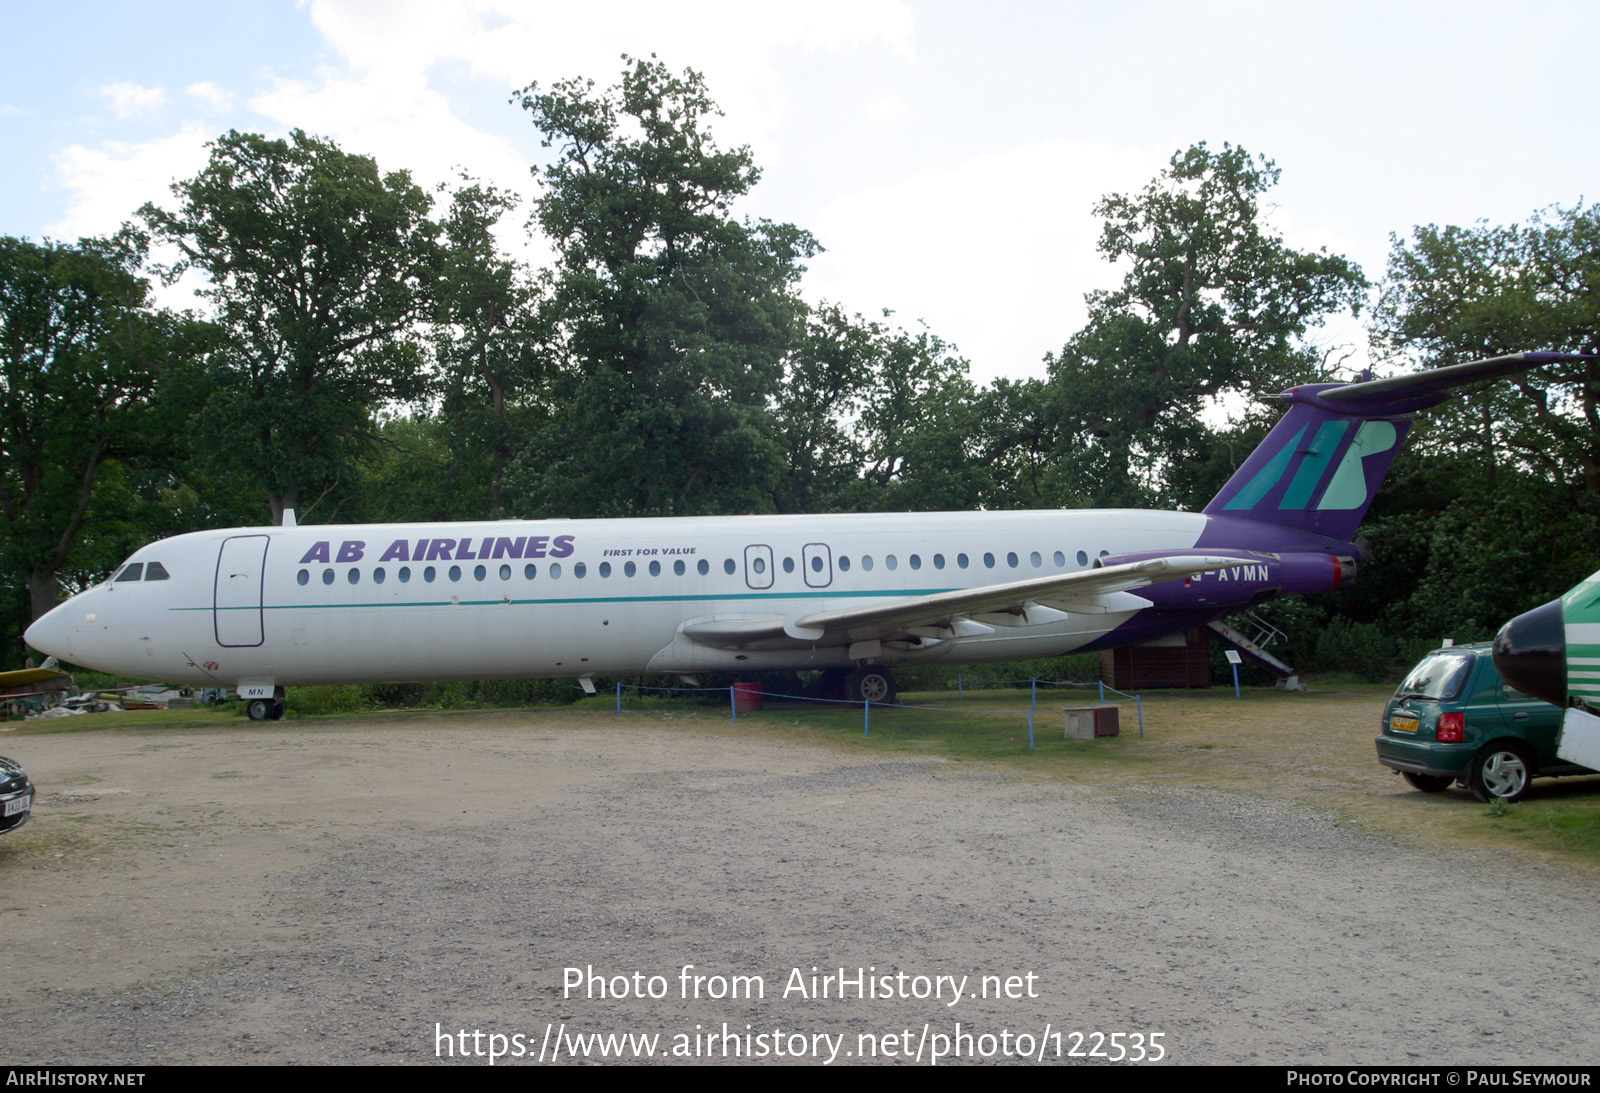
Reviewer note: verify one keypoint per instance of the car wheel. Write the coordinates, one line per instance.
(1428, 783)
(1501, 772)
(259, 709)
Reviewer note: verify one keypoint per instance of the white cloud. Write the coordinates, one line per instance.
(213, 96)
(890, 108)
(733, 44)
(108, 183)
(128, 99)
(385, 99)
(995, 253)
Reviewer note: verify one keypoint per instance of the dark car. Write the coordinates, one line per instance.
(16, 795)
(1455, 720)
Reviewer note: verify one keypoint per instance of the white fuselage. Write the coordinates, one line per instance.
(568, 598)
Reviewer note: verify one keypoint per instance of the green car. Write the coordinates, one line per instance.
(1455, 720)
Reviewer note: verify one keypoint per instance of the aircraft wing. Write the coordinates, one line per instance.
(946, 614)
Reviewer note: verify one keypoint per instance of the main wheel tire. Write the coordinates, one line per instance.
(870, 684)
(277, 710)
(1428, 783)
(259, 709)
(1502, 771)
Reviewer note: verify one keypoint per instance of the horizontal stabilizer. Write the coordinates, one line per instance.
(1436, 381)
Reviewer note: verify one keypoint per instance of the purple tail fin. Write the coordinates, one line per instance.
(1321, 465)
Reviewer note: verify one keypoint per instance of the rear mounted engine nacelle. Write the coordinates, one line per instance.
(1258, 576)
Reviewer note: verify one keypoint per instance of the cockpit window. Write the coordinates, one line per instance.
(132, 572)
(155, 571)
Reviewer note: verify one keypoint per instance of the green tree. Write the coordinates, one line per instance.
(872, 417)
(1455, 294)
(1495, 504)
(319, 269)
(1213, 304)
(675, 317)
(491, 343)
(79, 352)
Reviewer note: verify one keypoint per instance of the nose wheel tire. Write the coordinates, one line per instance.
(1501, 771)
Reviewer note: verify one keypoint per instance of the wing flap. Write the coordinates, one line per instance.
(1087, 591)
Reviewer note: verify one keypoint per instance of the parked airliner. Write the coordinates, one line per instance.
(259, 608)
(1553, 653)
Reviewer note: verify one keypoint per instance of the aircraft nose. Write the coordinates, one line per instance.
(50, 632)
(1530, 653)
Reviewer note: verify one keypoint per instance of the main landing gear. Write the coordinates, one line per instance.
(865, 683)
(265, 709)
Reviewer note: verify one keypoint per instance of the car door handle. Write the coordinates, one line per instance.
(1520, 716)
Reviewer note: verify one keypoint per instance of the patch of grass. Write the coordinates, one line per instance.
(1571, 824)
(191, 717)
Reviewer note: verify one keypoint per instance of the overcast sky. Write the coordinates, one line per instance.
(947, 155)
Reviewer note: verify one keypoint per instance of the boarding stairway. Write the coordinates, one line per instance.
(1250, 635)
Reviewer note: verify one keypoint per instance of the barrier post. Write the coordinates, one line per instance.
(1138, 702)
(1030, 730)
(1102, 692)
(733, 704)
(866, 718)
(960, 694)
(1034, 683)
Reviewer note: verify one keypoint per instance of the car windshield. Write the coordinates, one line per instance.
(1440, 676)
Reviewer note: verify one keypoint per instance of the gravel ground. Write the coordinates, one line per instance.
(363, 891)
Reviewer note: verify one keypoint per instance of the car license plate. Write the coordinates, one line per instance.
(1398, 723)
(18, 805)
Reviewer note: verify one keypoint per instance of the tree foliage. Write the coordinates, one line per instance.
(491, 344)
(1213, 303)
(79, 356)
(1454, 294)
(319, 267)
(675, 317)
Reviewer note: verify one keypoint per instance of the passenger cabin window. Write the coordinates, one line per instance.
(703, 566)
